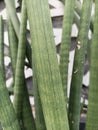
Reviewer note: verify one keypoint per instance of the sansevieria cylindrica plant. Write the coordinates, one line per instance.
(53, 109)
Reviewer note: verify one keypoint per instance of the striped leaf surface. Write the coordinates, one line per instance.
(7, 114)
(10, 6)
(19, 73)
(66, 40)
(46, 67)
(92, 114)
(78, 67)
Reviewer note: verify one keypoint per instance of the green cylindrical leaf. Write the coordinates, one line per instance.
(92, 116)
(65, 44)
(78, 67)
(13, 45)
(10, 5)
(19, 74)
(40, 121)
(27, 117)
(46, 66)
(2, 47)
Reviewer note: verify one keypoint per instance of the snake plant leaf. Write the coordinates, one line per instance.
(40, 122)
(7, 114)
(45, 66)
(21, 98)
(2, 46)
(78, 67)
(65, 43)
(77, 14)
(10, 5)
(78, 7)
(19, 73)
(13, 45)
(92, 113)
(27, 117)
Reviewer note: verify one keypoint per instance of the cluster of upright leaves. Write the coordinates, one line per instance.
(7, 114)
(84, 23)
(49, 85)
(21, 100)
(9, 118)
(50, 81)
(10, 5)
